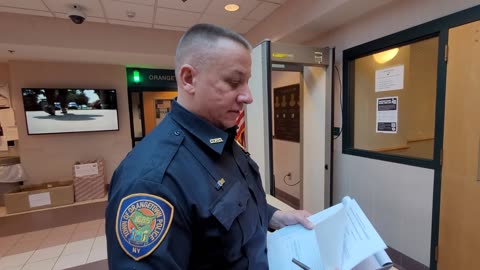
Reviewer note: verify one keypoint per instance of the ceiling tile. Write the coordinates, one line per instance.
(276, 1)
(244, 26)
(138, 24)
(118, 11)
(176, 17)
(27, 4)
(89, 18)
(90, 7)
(26, 11)
(224, 21)
(218, 7)
(96, 19)
(168, 27)
(139, 2)
(262, 11)
(192, 5)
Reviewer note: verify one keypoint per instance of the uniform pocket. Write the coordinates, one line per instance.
(231, 205)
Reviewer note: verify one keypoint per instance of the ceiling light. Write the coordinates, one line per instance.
(232, 7)
(385, 56)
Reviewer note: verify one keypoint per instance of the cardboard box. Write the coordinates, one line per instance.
(39, 196)
(89, 180)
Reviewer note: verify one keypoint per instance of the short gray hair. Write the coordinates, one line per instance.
(201, 37)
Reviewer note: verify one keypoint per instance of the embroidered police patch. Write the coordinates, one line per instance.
(143, 221)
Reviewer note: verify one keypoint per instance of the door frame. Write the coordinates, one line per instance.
(148, 80)
(292, 58)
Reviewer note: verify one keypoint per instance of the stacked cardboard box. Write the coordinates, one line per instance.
(89, 180)
(39, 196)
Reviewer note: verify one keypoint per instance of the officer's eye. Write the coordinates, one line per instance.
(234, 83)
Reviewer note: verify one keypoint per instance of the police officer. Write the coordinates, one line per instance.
(188, 196)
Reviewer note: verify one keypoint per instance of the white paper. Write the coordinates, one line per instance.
(86, 169)
(39, 199)
(7, 118)
(389, 78)
(308, 246)
(3, 143)
(361, 238)
(11, 133)
(387, 115)
(343, 237)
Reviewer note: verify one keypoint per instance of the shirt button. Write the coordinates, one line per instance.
(240, 204)
(177, 133)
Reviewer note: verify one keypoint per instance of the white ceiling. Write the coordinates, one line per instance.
(161, 14)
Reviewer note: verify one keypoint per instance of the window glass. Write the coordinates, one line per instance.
(394, 100)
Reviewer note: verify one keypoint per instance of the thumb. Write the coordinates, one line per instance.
(306, 223)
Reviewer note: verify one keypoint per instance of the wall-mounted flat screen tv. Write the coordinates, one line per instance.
(64, 110)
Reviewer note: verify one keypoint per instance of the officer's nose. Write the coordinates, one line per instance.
(245, 96)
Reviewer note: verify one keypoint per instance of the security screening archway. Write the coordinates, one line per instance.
(316, 68)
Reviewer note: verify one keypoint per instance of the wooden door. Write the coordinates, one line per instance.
(459, 236)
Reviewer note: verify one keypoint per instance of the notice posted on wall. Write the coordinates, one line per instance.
(387, 115)
(388, 79)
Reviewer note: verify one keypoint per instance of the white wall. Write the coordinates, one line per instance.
(398, 198)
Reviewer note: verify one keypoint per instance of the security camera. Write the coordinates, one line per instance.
(76, 14)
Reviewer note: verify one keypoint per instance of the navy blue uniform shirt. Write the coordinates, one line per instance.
(187, 197)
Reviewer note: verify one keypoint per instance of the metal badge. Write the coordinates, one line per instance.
(216, 140)
(220, 184)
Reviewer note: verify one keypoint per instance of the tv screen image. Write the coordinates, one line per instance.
(64, 110)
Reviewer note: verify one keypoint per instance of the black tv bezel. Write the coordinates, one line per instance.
(71, 88)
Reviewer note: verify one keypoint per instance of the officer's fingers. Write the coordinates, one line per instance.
(302, 219)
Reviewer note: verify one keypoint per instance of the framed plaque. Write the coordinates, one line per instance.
(286, 113)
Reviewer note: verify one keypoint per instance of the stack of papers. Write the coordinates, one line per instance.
(343, 239)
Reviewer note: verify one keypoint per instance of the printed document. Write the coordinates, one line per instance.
(342, 238)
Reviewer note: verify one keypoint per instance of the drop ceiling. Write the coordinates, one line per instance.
(161, 14)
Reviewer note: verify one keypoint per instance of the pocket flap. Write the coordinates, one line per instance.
(231, 205)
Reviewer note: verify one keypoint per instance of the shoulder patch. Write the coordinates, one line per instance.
(143, 221)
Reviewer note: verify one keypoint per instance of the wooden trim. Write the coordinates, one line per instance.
(390, 149)
(287, 198)
(420, 140)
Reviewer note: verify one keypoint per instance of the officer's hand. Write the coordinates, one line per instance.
(281, 219)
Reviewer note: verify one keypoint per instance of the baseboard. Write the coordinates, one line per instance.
(287, 198)
(404, 262)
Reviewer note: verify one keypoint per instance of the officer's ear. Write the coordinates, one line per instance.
(186, 78)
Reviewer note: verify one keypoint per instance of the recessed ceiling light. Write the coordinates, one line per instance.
(232, 7)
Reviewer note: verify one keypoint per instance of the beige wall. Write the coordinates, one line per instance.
(50, 157)
(4, 73)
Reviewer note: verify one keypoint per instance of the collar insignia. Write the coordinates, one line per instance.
(216, 140)
(219, 184)
(143, 221)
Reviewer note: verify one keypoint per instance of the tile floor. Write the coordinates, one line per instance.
(28, 241)
(54, 248)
